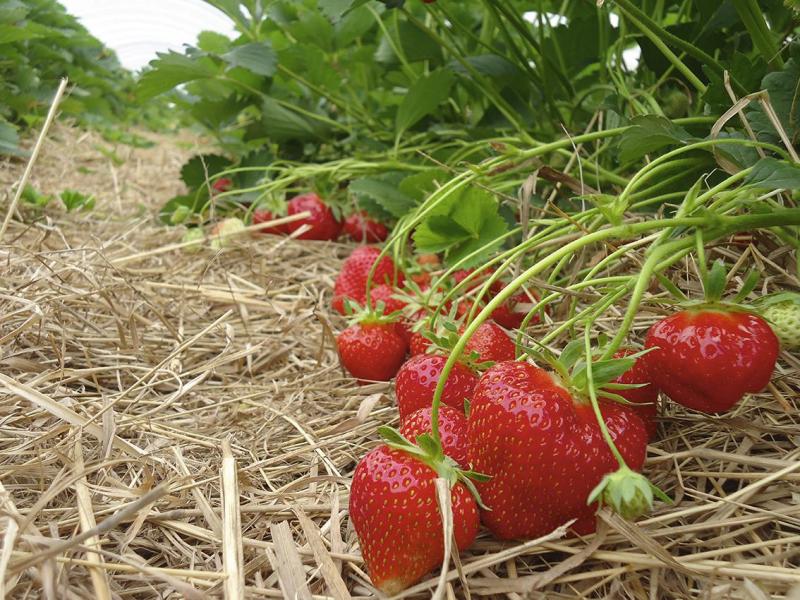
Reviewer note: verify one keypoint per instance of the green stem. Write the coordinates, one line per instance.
(657, 41)
(752, 17)
(628, 7)
(601, 422)
(642, 283)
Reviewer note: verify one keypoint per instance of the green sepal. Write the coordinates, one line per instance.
(715, 282)
(626, 492)
(748, 285)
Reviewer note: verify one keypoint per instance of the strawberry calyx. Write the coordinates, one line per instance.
(366, 315)
(572, 372)
(714, 283)
(626, 492)
(430, 452)
(444, 336)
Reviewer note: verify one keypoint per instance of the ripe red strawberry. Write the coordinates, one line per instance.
(352, 280)
(324, 225)
(418, 344)
(647, 396)
(513, 311)
(707, 359)
(372, 350)
(491, 343)
(395, 514)
(452, 429)
(262, 215)
(543, 450)
(223, 184)
(417, 380)
(386, 293)
(361, 228)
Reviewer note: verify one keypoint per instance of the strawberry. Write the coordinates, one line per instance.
(224, 232)
(352, 280)
(361, 228)
(386, 293)
(323, 223)
(782, 311)
(543, 450)
(452, 428)
(395, 513)
(647, 396)
(418, 344)
(491, 343)
(708, 358)
(223, 184)
(262, 215)
(371, 350)
(417, 380)
(513, 311)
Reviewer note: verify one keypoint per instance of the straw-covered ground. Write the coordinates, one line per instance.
(176, 424)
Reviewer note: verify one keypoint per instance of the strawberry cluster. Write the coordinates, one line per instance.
(322, 223)
(524, 449)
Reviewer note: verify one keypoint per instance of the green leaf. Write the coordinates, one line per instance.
(257, 57)
(282, 124)
(171, 69)
(783, 87)
(415, 43)
(74, 200)
(465, 222)
(31, 195)
(649, 133)
(336, 9)
(213, 42)
(420, 185)
(502, 71)
(194, 171)
(423, 98)
(773, 174)
(9, 139)
(385, 194)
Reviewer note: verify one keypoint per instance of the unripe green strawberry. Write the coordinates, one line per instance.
(782, 312)
(196, 235)
(224, 232)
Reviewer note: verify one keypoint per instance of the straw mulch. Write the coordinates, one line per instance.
(177, 425)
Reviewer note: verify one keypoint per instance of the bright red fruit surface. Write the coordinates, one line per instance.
(491, 343)
(261, 215)
(543, 450)
(647, 396)
(395, 513)
(372, 352)
(361, 228)
(708, 359)
(418, 343)
(352, 279)
(322, 221)
(417, 380)
(452, 430)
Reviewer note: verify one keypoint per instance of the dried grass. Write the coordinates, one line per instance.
(177, 425)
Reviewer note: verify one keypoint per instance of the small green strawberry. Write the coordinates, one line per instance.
(782, 311)
(224, 232)
(194, 235)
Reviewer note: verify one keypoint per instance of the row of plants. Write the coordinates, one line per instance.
(40, 43)
(521, 169)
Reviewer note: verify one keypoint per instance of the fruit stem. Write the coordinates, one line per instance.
(642, 283)
(595, 404)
